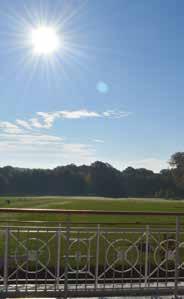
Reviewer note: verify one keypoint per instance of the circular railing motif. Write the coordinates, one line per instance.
(32, 255)
(165, 255)
(122, 255)
(78, 256)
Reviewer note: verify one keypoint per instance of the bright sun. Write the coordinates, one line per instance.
(45, 40)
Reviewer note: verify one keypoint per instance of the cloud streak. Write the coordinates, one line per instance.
(26, 140)
(47, 119)
(43, 148)
(9, 127)
(24, 124)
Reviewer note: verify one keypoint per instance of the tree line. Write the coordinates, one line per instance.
(98, 179)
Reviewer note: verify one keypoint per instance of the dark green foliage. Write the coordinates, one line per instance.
(98, 179)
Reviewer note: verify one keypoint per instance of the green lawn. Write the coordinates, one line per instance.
(92, 203)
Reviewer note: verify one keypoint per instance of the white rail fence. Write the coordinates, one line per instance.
(87, 260)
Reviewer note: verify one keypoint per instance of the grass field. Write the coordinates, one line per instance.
(92, 203)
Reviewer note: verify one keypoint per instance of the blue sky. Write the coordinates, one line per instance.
(115, 93)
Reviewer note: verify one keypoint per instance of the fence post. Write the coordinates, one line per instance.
(177, 258)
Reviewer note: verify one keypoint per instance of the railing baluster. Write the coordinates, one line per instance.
(147, 254)
(58, 257)
(177, 261)
(68, 226)
(97, 255)
(6, 259)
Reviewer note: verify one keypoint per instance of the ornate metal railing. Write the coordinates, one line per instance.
(82, 259)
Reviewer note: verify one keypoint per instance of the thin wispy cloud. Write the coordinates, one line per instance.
(45, 120)
(78, 114)
(27, 138)
(98, 140)
(43, 149)
(9, 127)
(24, 124)
(116, 114)
(35, 123)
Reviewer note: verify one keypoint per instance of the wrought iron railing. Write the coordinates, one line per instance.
(86, 259)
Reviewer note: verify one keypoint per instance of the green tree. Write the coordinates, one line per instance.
(177, 168)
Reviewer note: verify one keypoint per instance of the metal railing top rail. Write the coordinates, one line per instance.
(46, 224)
(15, 221)
(89, 212)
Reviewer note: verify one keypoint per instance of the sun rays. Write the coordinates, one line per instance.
(41, 36)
